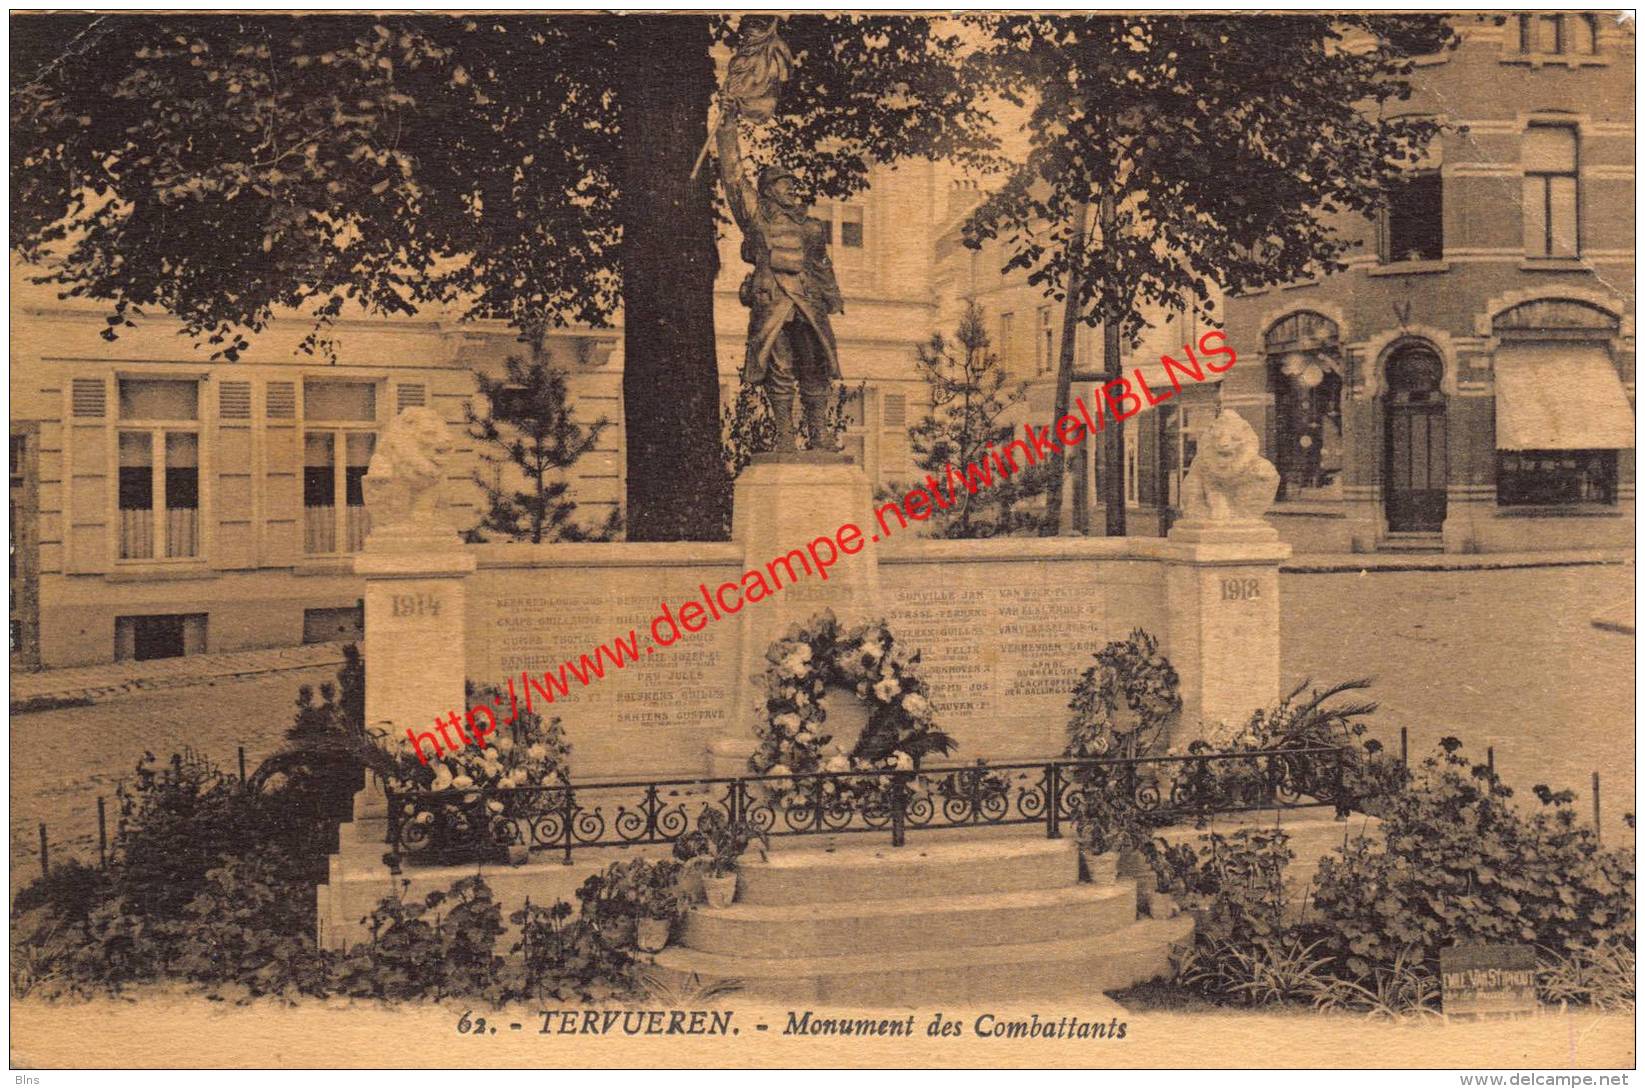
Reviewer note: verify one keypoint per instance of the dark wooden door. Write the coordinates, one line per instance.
(1415, 465)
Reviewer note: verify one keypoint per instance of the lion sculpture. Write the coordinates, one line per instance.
(403, 481)
(1229, 481)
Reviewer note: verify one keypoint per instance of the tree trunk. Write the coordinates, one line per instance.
(538, 513)
(677, 485)
(1065, 377)
(1111, 473)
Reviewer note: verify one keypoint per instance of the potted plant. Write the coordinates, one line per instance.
(713, 851)
(661, 903)
(611, 901)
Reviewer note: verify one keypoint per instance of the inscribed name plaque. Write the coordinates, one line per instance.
(1003, 644)
(653, 715)
(1488, 980)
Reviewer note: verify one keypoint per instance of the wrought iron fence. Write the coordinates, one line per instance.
(436, 826)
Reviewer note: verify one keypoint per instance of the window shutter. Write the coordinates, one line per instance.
(896, 460)
(85, 514)
(281, 400)
(90, 397)
(896, 411)
(234, 401)
(277, 544)
(234, 542)
(409, 395)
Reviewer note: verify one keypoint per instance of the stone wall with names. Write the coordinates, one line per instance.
(1005, 629)
(1004, 640)
(654, 716)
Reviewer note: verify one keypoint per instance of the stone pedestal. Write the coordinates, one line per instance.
(1222, 598)
(414, 621)
(787, 513)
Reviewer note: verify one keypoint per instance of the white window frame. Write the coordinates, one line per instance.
(339, 430)
(156, 430)
(1045, 340)
(833, 213)
(1575, 174)
(1189, 417)
(1517, 50)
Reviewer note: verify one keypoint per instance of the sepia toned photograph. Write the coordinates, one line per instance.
(823, 539)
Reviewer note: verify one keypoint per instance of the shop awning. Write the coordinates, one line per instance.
(1560, 398)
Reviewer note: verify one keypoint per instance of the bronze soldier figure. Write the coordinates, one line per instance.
(789, 294)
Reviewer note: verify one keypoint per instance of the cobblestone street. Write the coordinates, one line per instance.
(1503, 658)
(62, 760)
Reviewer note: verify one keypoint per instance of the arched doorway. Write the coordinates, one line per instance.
(1414, 455)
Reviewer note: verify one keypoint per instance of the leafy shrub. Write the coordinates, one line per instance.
(165, 900)
(445, 946)
(1457, 862)
(248, 928)
(49, 920)
(71, 890)
(562, 958)
(614, 901)
(418, 951)
(1234, 884)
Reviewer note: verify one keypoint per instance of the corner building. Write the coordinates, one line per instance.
(1467, 383)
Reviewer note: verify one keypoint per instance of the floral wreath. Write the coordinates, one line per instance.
(1130, 674)
(793, 737)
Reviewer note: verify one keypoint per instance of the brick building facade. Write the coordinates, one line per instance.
(1467, 384)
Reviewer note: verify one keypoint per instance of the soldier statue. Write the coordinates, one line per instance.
(789, 294)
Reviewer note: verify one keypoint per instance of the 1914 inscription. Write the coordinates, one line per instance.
(402, 605)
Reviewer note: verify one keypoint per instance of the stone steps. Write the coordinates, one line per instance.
(987, 918)
(950, 867)
(1412, 542)
(892, 976)
(906, 925)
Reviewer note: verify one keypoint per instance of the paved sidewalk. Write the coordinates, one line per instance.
(1319, 562)
(97, 683)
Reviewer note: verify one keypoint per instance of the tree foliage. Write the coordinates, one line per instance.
(1225, 142)
(528, 429)
(529, 168)
(223, 167)
(972, 398)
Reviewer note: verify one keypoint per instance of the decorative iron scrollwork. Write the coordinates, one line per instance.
(430, 827)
